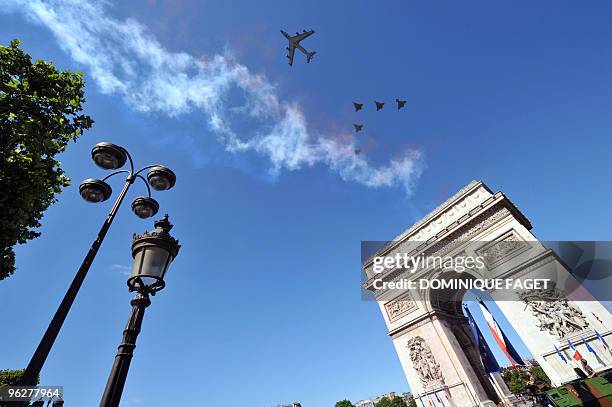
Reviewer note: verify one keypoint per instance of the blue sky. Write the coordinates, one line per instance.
(263, 302)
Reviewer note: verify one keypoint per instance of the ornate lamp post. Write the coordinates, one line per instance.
(152, 252)
(109, 157)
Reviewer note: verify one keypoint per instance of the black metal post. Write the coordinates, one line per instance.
(118, 374)
(32, 372)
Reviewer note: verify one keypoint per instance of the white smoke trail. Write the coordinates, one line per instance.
(125, 59)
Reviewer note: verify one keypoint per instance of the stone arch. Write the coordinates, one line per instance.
(448, 307)
(474, 214)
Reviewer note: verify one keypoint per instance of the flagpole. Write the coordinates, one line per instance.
(607, 352)
(473, 396)
(601, 339)
(420, 397)
(603, 342)
(449, 396)
(438, 398)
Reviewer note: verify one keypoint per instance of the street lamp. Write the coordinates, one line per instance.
(109, 157)
(152, 252)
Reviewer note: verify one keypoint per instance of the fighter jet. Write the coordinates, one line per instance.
(358, 127)
(358, 106)
(379, 105)
(294, 42)
(400, 103)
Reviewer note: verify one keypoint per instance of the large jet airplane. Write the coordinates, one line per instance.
(294, 42)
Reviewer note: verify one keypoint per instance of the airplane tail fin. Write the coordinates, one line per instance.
(310, 55)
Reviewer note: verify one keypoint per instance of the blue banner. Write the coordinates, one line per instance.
(486, 355)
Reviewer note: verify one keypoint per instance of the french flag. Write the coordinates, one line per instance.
(577, 356)
(500, 337)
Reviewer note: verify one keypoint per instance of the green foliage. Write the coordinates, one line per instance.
(39, 114)
(391, 402)
(11, 377)
(517, 385)
(516, 381)
(384, 402)
(344, 403)
(412, 403)
(538, 375)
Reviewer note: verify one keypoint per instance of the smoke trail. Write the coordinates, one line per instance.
(125, 59)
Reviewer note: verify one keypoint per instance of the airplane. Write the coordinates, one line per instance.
(294, 42)
(400, 103)
(358, 127)
(358, 106)
(357, 151)
(379, 105)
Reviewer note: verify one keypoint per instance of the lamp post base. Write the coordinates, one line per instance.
(118, 374)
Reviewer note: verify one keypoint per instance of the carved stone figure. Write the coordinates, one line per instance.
(554, 313)
(398, 308)
(499, 251)
(424, 362)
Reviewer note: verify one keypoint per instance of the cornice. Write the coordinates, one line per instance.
(464, 229)
(443, 208)
(450, 215)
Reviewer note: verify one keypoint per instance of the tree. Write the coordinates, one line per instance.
(538, 375)
(39, 115)
(384, 402)
(11, 378)
(391, 402)
(344, 403)
(412, 402)
(516, 381)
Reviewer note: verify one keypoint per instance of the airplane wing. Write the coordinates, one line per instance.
(299, 37)
(294, 42)
(309, 55)
(298, 46)
(291, 50)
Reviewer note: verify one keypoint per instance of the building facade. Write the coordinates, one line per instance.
(432, 336)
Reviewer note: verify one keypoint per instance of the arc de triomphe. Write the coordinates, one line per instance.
(429, 331)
